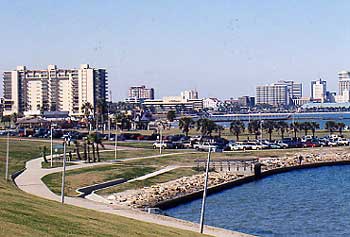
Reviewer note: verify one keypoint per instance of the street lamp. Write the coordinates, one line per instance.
(51, 135)
(160, 129)
(7, 156)
(201, 223)
(64, 169)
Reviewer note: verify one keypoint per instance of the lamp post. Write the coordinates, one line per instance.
(116, 142)
(64, 170)
(7, 156)
(51, 135)
(201, 223)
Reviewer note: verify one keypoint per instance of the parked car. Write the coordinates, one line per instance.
(242, 146)
(333, 142)
(205, 146)
(323, 141)
(164, 145)
(312, 143)
(282, 144)
(343, 142)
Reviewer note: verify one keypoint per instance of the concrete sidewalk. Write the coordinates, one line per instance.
(30, 181)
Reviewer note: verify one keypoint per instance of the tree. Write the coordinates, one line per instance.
(269, 126)
(331, 126)
(96, 142)
(206, 126)
(185, 124)
(87, 110)
(77, 149)
(43, 150)
(171, 115)
(295, 127)
(340, 127)
(219, 129)
(282, 127)
(314, 126)
(14, 118)
(254, 128)
(236, 128)
(306, 126)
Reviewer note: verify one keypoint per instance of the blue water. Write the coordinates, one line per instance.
(311, 202)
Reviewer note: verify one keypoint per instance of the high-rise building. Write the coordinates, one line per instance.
(295, 89)
(30, 92)
(319, 90)
(274, 94)
(189, 95)
(246, 101)
(344, 82)
(141, 93)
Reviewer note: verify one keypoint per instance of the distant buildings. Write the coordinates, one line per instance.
(275, 95)
(189, 95)
(211, 103)
(319, 90)
(175, 103)
(281, 93)
(246, 101)
(295, 89)
(31, 92)
(137, 93)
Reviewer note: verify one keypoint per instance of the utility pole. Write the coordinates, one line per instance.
(116, 142)
(64, 170)
(7, 156)
(201, 223)
(51, 146)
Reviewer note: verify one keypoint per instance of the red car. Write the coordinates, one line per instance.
(312, 143)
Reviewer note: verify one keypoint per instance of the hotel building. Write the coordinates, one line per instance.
(30, 92)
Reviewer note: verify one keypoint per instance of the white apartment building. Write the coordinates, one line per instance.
(189, 95)
(30, 92)
(211, 103)
(295, 89)
(344, 84)
(319, 90)
(140, 93)
(274, 94)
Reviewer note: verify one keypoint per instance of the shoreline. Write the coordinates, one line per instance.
(167, 204)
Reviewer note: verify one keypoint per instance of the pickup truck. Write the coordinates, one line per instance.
(205, 146)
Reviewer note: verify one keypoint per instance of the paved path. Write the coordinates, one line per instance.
(30, 181)
(155, 173)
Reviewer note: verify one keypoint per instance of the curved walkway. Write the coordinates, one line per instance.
(30, 181)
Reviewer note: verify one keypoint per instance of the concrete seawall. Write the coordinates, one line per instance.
(218, 188)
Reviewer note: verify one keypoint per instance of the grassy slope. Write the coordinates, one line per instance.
(25, 215)
(22, 214)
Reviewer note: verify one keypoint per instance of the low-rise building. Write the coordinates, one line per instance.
(175, 103)
(211, 103)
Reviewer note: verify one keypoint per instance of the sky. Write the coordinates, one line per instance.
(221, 48)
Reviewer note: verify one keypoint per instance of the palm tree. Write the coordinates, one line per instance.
(219, 129)
(206, 126)
(185, 124)
(314, 126)
(331, 126)
(306, 126)
(87, 110)
(254, 127)
(236, 128)
(14, 117)
(340, 127)
(171, 115)
(91, 142)
(295, 127)
(282, 127)
(96, 142)
(269, 126)
(77, 149)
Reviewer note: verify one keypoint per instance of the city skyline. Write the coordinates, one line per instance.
(224, 43)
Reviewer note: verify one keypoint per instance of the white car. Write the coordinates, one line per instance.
(333, 142)
(343, 142)
(242, 146)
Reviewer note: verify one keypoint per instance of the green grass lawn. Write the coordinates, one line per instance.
(88, 176)
(162, 178)
(25, 215)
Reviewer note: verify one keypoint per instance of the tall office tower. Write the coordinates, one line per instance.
(52, 89)
(275, 95)
(319, 90)
(344, 82)
(295, 89)
(189, 95)
(141, 93)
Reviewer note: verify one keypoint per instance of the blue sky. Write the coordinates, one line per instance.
(221, 48)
